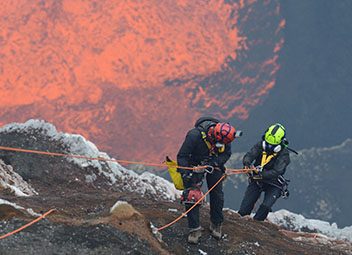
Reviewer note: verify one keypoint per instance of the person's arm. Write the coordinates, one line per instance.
(187, 148)
(279, 168)
(250, 156)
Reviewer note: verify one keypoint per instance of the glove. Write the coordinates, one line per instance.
(256, 173)
(257, 170)
(192, 180)
(186, 176)
(199, 170)
(249, 173)
(257, 176)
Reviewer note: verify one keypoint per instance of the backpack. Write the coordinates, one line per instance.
(203, 123)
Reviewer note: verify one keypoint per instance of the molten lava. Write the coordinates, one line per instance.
(132, 76)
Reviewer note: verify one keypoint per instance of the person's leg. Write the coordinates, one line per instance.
(251, 196)
(216, 197)
(216, 203)
(193, 216)
(272, 193)
(191, 181)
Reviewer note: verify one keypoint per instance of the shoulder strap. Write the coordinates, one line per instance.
(266, 159)
(204, 123)
(204, 137)
(210, 147)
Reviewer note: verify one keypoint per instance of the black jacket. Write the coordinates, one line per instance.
(194, 151)
(274, 168)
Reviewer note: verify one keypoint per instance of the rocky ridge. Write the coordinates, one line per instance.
(84, 221)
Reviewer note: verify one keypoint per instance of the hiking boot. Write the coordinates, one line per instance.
(215, 231)
(194, 235)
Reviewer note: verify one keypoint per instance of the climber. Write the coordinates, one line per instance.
(207, 144)
(268, 159)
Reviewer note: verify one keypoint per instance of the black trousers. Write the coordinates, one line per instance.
(216, 199)
(254, 189)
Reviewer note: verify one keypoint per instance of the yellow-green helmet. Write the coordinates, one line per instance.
(274, 134)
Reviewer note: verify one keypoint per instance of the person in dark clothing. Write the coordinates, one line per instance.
(269, 159)
(207, 144)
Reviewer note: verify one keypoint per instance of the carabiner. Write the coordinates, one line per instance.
(209, 169)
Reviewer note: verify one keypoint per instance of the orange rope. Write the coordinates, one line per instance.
(228, 172)
(231, 171)
(120, 161)
(238, 171)
(28, 224)
(200, 200)
(99, 158)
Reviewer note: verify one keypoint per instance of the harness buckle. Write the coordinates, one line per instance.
(209, 169)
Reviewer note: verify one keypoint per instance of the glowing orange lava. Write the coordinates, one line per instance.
(132, 76)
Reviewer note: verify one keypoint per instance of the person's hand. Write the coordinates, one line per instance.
(257, 176)
(257, 169)
(249, 173)
(199, 169)
(186, 175)
(257, 173)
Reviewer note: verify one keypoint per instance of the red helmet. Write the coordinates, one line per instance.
(224, 133)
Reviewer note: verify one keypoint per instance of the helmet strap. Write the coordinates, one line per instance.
(211, 135)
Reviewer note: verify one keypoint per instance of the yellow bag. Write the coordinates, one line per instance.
(175, 176)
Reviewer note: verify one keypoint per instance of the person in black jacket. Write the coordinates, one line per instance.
(207, 144)
(269, 159)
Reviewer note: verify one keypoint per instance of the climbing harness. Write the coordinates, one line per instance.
(266, 158)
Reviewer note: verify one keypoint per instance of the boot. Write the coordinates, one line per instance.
(194, 235)
(215, 231)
